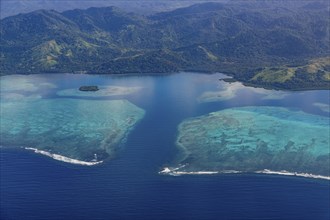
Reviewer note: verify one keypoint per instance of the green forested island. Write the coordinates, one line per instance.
(261, 45)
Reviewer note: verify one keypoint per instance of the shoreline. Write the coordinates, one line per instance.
(227, 73)
(63, 158)
(175, 172)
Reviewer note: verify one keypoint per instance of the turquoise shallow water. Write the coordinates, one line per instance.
(48, 113)
(87, 130)
(256, 138)
(33, 186)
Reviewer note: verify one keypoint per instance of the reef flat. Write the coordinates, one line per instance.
(78, 131)
(101, 92)
(253, 139)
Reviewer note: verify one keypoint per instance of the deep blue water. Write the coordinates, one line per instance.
(129, 187)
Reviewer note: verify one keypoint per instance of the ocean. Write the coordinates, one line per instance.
(129, 186)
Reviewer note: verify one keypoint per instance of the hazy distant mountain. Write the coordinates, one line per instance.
(13, 7)
(203, 37)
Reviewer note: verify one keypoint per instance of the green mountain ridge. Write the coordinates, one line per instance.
(208, 37)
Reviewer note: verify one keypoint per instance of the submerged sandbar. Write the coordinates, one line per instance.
(253, 139)
(101, 91)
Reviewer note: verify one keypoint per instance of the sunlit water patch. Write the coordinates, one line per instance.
(323, 107)
(71, 130)
(227, 91)
(10, 96)
(28, 83)
(254, 139)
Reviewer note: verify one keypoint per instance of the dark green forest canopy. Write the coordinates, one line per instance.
(272, 46)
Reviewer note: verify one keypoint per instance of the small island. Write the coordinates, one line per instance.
(88, 88)
(228, 80)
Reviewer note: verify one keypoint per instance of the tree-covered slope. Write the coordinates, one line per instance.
(233, 38)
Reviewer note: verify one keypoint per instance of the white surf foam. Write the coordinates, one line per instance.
(63, 158)
(287, 173)
(175, 172)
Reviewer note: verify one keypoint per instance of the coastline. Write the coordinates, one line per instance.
(175, 172)
(247, 83)
(63, 158)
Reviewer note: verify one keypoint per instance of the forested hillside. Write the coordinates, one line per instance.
(238, 39)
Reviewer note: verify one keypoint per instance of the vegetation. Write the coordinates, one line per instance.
(265, 46)
(315, 74)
